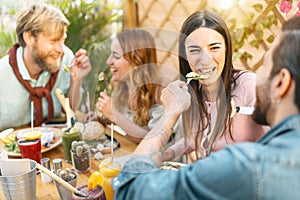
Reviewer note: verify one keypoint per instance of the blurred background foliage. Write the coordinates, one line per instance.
(7, 39)
(252, 29)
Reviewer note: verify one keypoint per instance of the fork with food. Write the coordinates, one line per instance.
(67, 68)
(79, 66)
(195, 76)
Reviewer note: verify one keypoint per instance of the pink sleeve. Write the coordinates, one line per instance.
(244, 93)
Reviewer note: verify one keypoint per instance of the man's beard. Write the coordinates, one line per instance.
(263, 104)
(40, 58)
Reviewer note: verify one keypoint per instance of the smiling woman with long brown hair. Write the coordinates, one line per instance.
(211, 122)
(135, 102)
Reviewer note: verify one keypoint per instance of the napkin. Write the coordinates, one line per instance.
(13, 167)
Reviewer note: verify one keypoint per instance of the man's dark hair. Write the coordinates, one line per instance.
(287, 55)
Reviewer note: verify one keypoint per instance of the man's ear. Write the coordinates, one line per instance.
(282, 83)
(28, 38)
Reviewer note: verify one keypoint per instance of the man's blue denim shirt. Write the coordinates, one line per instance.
(268, 169)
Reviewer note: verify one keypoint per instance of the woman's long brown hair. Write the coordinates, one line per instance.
(197, 119)
(139, 50)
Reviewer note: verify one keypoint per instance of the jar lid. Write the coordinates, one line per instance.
(46, 163)
(57, 164)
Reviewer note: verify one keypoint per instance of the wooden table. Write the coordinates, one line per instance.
(47, 191)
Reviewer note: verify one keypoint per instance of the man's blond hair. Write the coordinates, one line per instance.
(41, 18)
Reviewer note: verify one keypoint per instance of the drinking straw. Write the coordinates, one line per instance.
(67, 104)
(31, 113)
(88, 103)
(61, 181)
(112, 142)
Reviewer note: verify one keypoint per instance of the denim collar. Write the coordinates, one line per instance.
(290, 123)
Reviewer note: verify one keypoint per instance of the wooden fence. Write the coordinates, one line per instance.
(253, 25)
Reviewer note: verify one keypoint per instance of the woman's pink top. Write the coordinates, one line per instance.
(243, 127)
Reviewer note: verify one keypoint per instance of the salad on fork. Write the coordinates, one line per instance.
(195, 76)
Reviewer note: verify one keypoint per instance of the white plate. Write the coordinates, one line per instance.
(6, 132)
(56, 132)
(170, 165)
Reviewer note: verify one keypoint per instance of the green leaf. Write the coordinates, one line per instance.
(248, 19)
(270, 39)
(248, 31)
(273, 19)
(247, 56)
(259, 26)
(239, 34)
(232, 21)
(258, 7)
(259, 34)
(266, 23)
(236, 55)
(254, 43)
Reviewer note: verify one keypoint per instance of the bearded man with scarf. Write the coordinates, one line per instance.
(34, 68)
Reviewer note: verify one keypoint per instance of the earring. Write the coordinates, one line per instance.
(275, 100)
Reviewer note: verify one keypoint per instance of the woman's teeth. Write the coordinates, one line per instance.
(206, 71)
